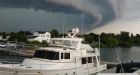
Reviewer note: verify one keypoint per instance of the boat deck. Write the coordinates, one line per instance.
(111, 70)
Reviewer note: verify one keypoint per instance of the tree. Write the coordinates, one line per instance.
(4, 36)
(35, 42)
(20, 37)
(90, 38)
(54, 33)
(112, 42)
(12, 37)
(44, 43)
(21, 33)
(124, 39)
(124, 36)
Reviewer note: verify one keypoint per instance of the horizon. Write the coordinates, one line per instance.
(79, 32)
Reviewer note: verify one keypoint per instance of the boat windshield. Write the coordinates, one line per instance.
(65, 43)
(51, 55)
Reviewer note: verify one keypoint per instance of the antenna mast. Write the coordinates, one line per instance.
(82, 24)
(99, 48)
(63, 24)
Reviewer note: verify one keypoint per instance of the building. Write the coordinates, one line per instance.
(40, 36)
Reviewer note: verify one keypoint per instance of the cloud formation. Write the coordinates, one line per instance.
(130, 21)
(96, 12)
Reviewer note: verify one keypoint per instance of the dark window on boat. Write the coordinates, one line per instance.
(62, 56)
(89, 59)
(51, 55)
(67, 55)
(84, 60)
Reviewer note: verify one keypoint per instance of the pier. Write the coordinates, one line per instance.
(18, 51)
(110, 64)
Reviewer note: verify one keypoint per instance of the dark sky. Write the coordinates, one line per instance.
(45, 15)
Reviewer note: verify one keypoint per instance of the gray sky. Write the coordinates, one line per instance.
(99, 15)
(130, 20)
(28, 19)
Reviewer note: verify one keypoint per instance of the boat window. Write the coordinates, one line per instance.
(84, 60)
(67, 55)
(51, 55)
(62, 55)
(89, 59)
(65, 43)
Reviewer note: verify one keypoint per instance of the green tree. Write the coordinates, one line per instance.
(112, 42)
(54, 33)
(44, 43)
(19, 36)
(21, 33)
(124, 39)
(35, 42)
(124, 36)
(12, 37)
(90, 38)
(4, 36)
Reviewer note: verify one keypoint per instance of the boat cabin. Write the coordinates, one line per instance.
(67, 50)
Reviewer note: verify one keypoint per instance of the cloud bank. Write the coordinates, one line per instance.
(96, 12)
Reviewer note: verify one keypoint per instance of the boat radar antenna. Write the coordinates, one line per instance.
(73, 33)
(64, 17)
(82, 23)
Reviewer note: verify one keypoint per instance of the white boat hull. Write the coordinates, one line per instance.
(77, 71)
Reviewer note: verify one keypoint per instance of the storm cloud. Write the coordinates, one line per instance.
(96, 12)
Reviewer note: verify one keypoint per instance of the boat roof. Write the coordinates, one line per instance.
(55, 49)
(72, 39)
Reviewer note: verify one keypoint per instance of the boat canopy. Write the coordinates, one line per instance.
(66, 42)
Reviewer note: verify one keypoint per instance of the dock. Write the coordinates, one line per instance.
(18, 51)
(110, 64)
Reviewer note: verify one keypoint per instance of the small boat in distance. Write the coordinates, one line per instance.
(64, 56)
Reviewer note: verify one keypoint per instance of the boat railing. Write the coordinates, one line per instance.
(12, 64)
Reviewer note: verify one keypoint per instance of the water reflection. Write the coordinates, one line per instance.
(125, 54)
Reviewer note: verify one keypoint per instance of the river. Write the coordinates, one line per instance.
(107, 54)
(124, 54)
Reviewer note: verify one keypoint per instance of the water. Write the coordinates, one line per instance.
(5, 56)
(125, 54)
(107, 54)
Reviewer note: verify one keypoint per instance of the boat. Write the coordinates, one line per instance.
(64, 56)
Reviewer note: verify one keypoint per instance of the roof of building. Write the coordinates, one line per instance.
(31, 36)
(41, 32)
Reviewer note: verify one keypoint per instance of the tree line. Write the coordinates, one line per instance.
(22, 36)
(123, 39)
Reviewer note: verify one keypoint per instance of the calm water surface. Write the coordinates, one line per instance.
(125, 54)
